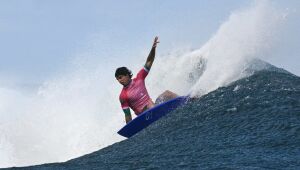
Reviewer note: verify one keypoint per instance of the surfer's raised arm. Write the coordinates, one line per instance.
(151, 55)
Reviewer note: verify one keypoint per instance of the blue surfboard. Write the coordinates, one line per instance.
(150, 116)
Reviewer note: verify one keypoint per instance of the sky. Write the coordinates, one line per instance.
(41, 38)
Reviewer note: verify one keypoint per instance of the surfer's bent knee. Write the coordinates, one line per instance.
(165, 96)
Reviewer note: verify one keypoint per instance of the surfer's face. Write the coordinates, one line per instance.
(124, 79)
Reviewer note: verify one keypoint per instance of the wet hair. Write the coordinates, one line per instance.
(123, 71)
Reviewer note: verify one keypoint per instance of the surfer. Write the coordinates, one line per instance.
(134, 94)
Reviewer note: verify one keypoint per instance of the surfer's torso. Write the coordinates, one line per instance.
(135, 94)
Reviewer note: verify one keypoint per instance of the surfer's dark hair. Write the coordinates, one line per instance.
(123, 71)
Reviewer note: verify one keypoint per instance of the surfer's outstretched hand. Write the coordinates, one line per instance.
(155, 42)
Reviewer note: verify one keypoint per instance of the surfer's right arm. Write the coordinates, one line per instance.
(125, 106)
(127, 115)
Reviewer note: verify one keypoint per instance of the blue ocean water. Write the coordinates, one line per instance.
(253, 123)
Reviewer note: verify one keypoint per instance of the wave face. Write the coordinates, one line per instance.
(253, 123)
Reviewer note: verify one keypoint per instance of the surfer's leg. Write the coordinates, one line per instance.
(150, 104)
(165, 96)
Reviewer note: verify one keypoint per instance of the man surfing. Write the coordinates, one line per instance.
(134, 94)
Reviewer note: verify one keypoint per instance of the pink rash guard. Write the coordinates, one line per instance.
(135, 94)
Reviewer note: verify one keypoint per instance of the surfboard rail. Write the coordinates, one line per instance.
(149, 116)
